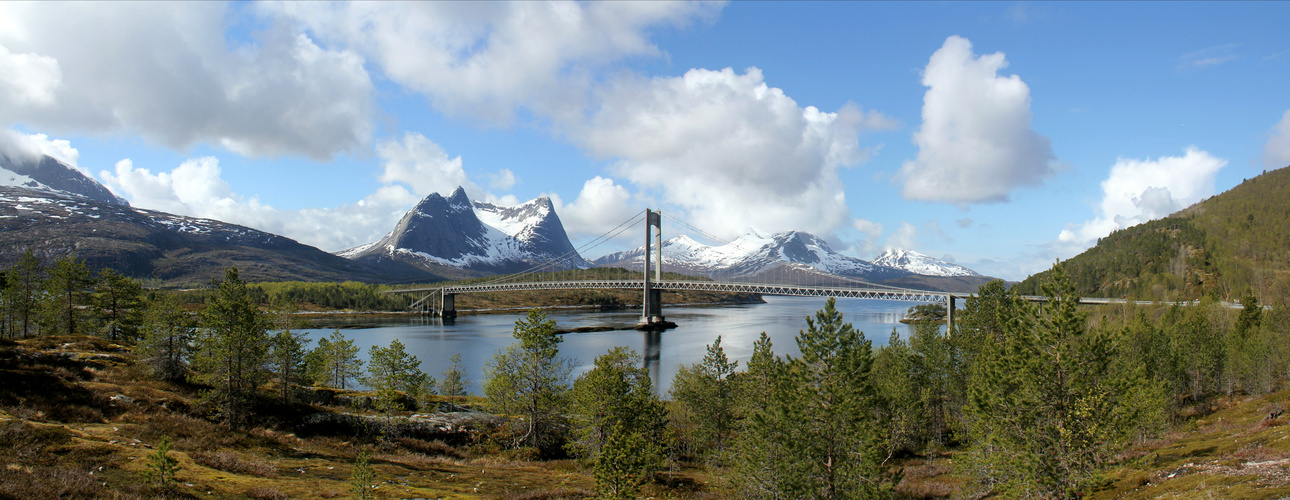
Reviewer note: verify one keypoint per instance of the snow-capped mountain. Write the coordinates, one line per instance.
(45, 173)
(455, 232)
(918, 263)
(753, 254)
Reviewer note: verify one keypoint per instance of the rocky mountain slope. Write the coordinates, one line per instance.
(472, 237)
(921, 264)
(45, 173)
(159, 247)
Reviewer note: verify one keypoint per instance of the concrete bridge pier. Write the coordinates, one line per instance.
(449, 309)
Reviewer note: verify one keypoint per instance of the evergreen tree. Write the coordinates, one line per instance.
(66, 292)
(528, 379)
(455, 381)
(704, 402)
(24, 290)
(893, 375)
(334, 363)
(287, 360)
(818, 432)
(161, 466)
(626, 460)
(391, 371)
(362, 479)
(118, 306)
(168, 331)
(759, 446)
(1046, 406)
(933, 370)
(617, 391)
(232, 346)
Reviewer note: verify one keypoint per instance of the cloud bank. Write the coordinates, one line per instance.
(166, 72)
(975, 144)
(1276, 152)
(1137, 191)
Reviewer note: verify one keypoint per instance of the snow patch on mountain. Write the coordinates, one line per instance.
(918, 263)
(751, 254)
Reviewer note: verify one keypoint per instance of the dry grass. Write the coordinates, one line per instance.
(230, 462)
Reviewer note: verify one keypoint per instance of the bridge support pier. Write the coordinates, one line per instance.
(652, 302)
(449, 309)
(949, 314)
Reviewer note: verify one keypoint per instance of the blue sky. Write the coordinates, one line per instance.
(1001, 136)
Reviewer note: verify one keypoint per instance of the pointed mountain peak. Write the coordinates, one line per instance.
(459, 198)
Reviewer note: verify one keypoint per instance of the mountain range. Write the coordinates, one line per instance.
(800, 257)
(54, 209)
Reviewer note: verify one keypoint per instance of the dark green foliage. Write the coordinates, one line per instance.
(926, 312)
(334, 363)
(118, 306)
(528, 379)
(168, 331)
(232, 346)
(627, 459)
(617, 391)
(818, 433)
(703, 409)
(22, 294)
(66, 292)
(391, 371)
(287, 361)
(349, 295)
(1047, 405)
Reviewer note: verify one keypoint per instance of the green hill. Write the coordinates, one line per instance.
(1237, 239)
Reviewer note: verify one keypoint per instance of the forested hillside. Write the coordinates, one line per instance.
(1224, 244)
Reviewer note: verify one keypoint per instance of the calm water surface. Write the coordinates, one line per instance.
(478, 337)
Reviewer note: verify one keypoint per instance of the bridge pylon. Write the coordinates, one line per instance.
(652, 301)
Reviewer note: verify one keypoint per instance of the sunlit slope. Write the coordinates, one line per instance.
(1237, 239)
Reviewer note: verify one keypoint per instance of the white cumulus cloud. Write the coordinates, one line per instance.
(729, 150)
(905, 238)
(1276, 153)
(975, 144)
(600, 206)
(168, 72)
(489, 59)
(1137, 191)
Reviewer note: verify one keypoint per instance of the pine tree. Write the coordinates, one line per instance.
(758, 447)
(161, 466)
(334, 363)
(1047, 404)
(391, 371)
(168, 331)
(704, 402)
(362, 479)
(617, 391)
(528, 379)
(118, 306)
(24, 290)
(455, 381)
(232, 346)
(66, 293)
(893, 374)
(626, 460)
(287, 360)
(817, 435)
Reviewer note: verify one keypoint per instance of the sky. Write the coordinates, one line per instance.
(999, 136)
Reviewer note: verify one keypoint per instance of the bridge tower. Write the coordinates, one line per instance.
(652, 303)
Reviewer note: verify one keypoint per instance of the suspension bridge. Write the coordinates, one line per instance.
(791, 280)
(787, 279)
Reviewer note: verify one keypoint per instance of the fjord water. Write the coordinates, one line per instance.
(478, 336)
